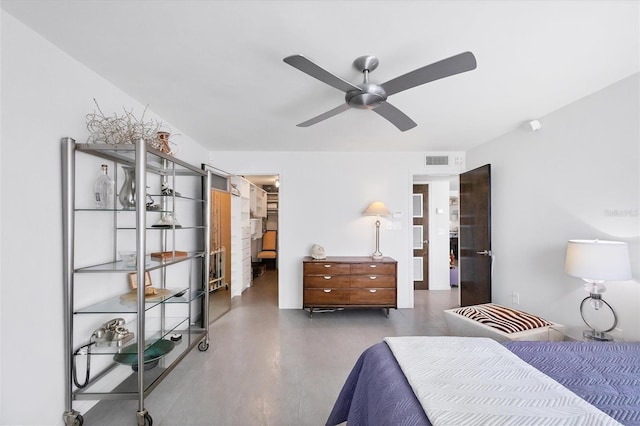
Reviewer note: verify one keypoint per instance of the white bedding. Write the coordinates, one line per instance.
(476, 381)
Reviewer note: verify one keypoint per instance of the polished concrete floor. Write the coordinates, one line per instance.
(268, 366)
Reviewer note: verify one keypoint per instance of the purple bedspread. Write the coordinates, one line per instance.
(377, 393)
(607, 375)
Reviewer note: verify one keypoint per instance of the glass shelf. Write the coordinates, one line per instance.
(119, 381)
(160, 228)
(118, 210)
(155, 331)
(127, 303)
(177, 198)
(126, 154)
(150, 264)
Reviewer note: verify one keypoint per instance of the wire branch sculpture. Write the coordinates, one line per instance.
(124, 129)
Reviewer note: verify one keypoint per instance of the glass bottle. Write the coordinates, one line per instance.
(103, 189)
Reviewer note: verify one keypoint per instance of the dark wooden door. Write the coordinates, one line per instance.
(475, 236)
(421, 236)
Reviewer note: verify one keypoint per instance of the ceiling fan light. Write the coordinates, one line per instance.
(365, 101)
(369, 97)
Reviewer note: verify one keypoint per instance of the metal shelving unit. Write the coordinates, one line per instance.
(167, 325)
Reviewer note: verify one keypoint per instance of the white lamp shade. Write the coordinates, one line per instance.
(598, 260)
(377, 208)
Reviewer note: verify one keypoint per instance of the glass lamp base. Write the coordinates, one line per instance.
(599, 336)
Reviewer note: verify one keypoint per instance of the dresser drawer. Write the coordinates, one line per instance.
(373, 281)
(326, 281)
(326, 268)
(374, 296)
(374, 268)
(320, 297)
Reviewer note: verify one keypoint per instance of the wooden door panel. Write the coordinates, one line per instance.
(475, 236)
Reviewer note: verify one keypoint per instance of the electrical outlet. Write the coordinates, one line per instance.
(515, 298)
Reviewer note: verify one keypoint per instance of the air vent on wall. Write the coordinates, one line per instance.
(437, 160)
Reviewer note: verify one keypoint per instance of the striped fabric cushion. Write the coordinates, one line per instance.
(502, 318)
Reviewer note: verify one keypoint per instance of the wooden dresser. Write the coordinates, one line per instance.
(349, 282)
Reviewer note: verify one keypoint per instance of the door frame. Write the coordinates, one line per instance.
(421, 176)
(424, 237)
(279, 175)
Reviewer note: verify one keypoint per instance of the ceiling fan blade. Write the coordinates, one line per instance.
(305, 65)
(395, 116)
(325, 115)
(447, 67)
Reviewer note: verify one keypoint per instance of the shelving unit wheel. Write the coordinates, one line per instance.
(73, 418)
(144, 418)
(203, 346)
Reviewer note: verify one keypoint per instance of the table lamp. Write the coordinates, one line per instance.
(595, 262)
(377, 208)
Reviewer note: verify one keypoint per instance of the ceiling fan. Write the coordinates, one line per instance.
(374, 96)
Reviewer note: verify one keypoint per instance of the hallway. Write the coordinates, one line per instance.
(267, 366)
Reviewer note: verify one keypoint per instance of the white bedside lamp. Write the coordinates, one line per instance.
(377, 208)
(595, 262)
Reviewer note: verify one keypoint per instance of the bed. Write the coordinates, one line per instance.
(604, 374)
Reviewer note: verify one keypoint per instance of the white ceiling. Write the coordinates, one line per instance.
(214, 69)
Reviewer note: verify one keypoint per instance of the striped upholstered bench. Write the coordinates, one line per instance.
(499, 323)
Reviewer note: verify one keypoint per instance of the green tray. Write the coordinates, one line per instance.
(129, 354)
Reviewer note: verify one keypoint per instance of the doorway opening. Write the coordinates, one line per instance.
(244, 237)
(436, 222)
(255, 229)
(264, 203)
(459, 234)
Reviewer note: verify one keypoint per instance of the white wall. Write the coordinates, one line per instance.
(45, 96)
(322, 196)
(566, 181)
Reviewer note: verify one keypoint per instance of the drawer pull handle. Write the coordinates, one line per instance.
(327, 277)
(373, 266)
(373, 277)
(327, 290)
(327, 266)
(373, 290)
